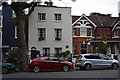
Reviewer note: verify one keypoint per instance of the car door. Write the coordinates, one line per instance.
(55, 63)
(44, 63)
(96, 61)
(105, 61)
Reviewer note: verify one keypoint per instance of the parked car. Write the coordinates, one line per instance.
(7, 67)
(46, 63)
(96, 61)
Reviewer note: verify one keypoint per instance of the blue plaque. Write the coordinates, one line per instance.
(67, 46)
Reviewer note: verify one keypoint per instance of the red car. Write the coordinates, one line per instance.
(45, 63)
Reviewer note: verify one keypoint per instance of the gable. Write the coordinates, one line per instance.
(83, 20)
(117, 25)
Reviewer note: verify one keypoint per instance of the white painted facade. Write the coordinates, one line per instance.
(50, 25)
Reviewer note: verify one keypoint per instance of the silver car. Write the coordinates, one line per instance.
(96, 61)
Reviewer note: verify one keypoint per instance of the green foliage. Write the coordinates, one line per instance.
(41, 38)
(37, 52)
(12, 57)
(102, 48)
(13, 20)
(63, 54)
(4, 4)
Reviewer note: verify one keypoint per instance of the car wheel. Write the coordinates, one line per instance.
(5, 70)
(87, 67)
(114, 66)
(65, 68)
(36, 69)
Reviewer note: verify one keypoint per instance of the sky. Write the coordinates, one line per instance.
(86, 7)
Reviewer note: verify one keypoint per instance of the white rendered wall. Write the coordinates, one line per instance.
(50, 24)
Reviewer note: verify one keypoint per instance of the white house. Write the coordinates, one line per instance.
(50, 30)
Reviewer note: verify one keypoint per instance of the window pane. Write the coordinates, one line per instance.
(58, 34)
(57, 17)
(116, 33)
(43, 58)
(83, 31)
(58, 50)
(74, 32)
(54, 59)
(41, 16)
(46, 51)
(41, 33)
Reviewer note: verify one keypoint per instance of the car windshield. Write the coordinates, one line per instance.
(79, 57)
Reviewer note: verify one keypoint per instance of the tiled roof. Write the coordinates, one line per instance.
(74, 18)
(101, 20)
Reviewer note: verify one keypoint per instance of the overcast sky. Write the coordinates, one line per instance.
(87, 6)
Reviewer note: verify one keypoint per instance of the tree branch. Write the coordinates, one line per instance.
(33, 4)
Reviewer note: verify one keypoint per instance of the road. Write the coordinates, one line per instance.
(69, 74)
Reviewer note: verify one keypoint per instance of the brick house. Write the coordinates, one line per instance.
(93, 29)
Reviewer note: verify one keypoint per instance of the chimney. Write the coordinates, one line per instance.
(50, 3)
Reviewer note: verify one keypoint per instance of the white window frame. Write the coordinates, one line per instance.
(116, 49)
(16, 32)
(58, 33)
(83, 32)
(58, 50)
(58, 17)
(46, 51)
(41, 16)
(41, 33)
(116, 35)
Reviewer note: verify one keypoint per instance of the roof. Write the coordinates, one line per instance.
(101, 20)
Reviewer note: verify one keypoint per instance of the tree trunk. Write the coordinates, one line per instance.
(21, 41)
(20, 23)
(21, 17)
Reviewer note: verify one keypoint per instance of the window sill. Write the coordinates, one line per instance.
(41, 20)
(83, 37)
(116, 37)
(58, 21)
